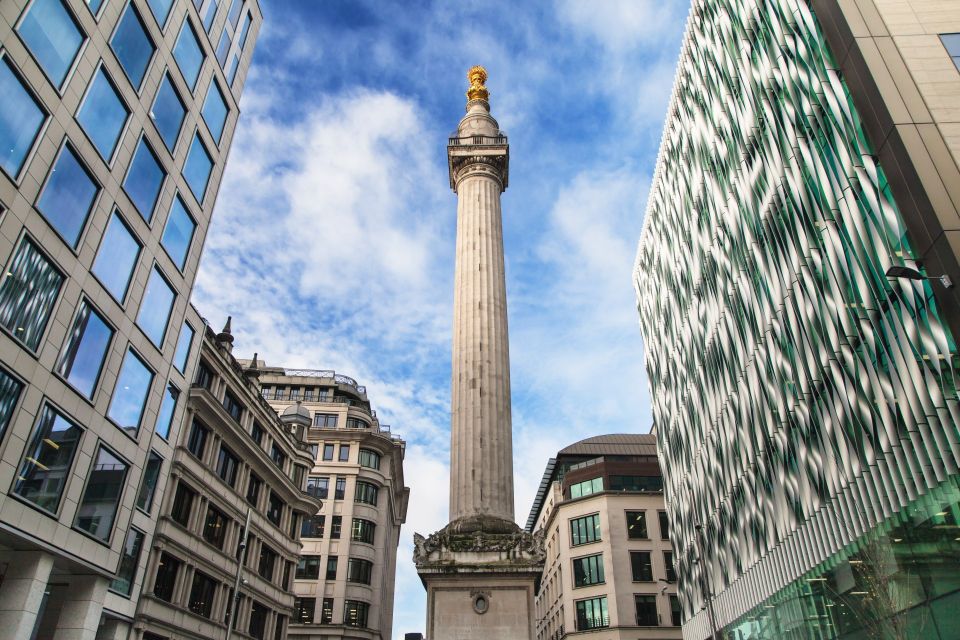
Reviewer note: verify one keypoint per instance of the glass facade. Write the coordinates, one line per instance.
(183, 348)
(196, 170)
(160, 10)
(103, 115)
(47, 460)
(20, 120)
(178, 233)
(167, 407)
(132, 45)
(68, 196)
(148, 485)
(116, 258)
(127, 571)
(52, 36)
(168, 112)
(155, 310)
(215, 111)
(188, 54)
(28, 293)
(10, 389)
(130, 394)
(85, 350)
(144, 179)
(101, 497)
(806, 396)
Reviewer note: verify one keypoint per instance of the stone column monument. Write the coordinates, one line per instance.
(480, 570)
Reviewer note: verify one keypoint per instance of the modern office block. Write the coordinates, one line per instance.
(236, 488)
(344, 580)
(805, 394)
(609, 567)
(116, 118)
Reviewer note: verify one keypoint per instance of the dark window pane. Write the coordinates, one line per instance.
(268, 557)
(312, 527)
(664, 525)
(676, 614)
(366, 492)
(344, 455)
(148, 486)
(341, 489)
(668, 565)
(98, 508)
(20, 119)
(166, 579)
(188, 54)
(256, 433)
(318, 486)
(178, 233)
(167, 409)
(68, 196)
(85, 350)
(130, 394)
(198, 439)
(183, 348)
(144, 179)
(215, 111)
(258, 620)
(308, 568)
(201, 594)
(160, 9)
(182, 505)
(359, 570)
(204, 376)
(196, 170)
(641, 566)
(253, 489)
(332, 568)
(592, 613)
(355, 613)
(28, 293)
(102, 115)
(328, 452)
(647, 611)
(232, 69)
(303, 609)
(167, 113)
(363, 531)
(52, 36)
(47, 459)
(274, 509)
(116, 258)
(156, 307)
(215, 527)
(127, 571)
(227, 465)
(336, 523)
(588, 570)
(132, 45)
(636, 524)
(10, 389)
(585, 529)
(326, 611)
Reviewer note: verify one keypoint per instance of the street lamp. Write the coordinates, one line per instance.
(912, 274)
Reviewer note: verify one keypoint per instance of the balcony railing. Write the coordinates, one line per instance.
(469, 141)
(594, 622)
(325, 373)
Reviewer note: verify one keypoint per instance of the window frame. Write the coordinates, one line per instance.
(66, 145)
(24, 239)
(138, 89)
(34, 434)
(146, 396)
(146, 216)
(122, 301)
(101, 68)
(62, 356)
(77, 56)
(31, 150)
(101, 446)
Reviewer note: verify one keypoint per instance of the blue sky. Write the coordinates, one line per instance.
(332, 242)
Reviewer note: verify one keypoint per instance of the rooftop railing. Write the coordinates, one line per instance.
(325, 373)
(466, 141)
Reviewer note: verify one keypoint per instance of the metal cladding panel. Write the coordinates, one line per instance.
(800, 396)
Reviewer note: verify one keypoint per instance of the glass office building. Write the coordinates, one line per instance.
(116, 118)
(806, 401)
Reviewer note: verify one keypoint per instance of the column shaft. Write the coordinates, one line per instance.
(21, 593)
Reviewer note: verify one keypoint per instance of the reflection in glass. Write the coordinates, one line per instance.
(211, 13)
(245, 31)
(183, 348)
(215, 111)
(127, 571)
(85, 350)
(223, 47)
(167, 408)
(160, 9)
(232, 70)
(20, 119)
(103, 115)
(53, 37)
(188, 54)
(196, 170)
(148, 486)
(28, 293)
(117, 257)
(156, 307)
(144, 179)
(10, 389)
(132, 45)
(46, 461)
(98, 508)
(178, 233)
(168, 112)
(68, 196)
(130, 394)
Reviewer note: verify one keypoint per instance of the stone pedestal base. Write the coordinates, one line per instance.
(480, 583)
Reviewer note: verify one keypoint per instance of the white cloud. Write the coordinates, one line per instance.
(623, 24)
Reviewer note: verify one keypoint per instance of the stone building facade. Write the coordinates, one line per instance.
(344, 581)
(116, 119)
(609, 572)
(238, 477)
(800, 340)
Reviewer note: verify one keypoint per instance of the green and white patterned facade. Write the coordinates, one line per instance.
(806, 405)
